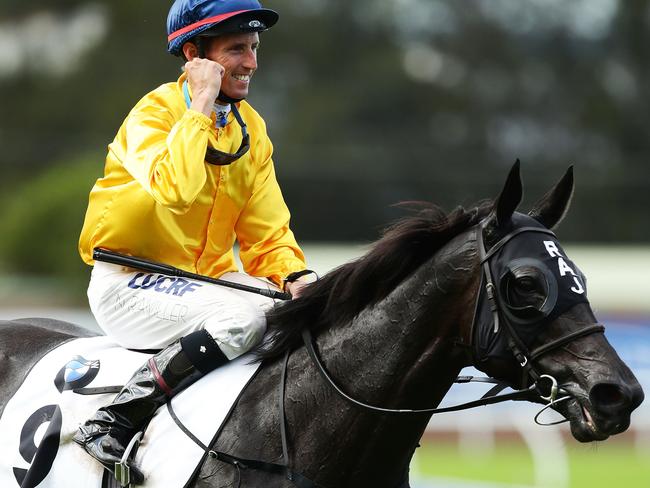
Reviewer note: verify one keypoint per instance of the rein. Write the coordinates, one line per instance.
(489, 398)
(525, 357)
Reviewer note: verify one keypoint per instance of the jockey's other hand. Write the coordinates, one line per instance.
(204, 77)
(295, 287)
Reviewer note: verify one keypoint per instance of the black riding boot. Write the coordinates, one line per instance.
(106, 435)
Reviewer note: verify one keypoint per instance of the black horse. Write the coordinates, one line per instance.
(487, 287)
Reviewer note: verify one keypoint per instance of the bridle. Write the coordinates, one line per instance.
(525, 358)
(516, 345)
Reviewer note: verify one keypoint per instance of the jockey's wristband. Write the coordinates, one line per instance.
(291, 277)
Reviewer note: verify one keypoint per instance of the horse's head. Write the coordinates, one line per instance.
(533, 322)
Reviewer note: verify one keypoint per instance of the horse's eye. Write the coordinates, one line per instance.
(526, 284)
(527, 290)
(525, 287)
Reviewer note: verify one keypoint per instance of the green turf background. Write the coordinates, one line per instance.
(611, 464)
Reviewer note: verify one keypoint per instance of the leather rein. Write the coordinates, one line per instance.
(515, 344)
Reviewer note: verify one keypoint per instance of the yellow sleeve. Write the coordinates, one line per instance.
(267, 246)
(166, 156)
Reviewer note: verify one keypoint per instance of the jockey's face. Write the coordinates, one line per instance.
(237, 53)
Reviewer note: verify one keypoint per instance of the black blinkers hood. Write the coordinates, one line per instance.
(540, 251)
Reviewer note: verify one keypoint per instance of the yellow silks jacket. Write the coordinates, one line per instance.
(160, 200)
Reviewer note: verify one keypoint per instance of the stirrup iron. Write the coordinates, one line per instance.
(122, 468)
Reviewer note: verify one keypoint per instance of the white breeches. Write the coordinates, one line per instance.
(150, 311)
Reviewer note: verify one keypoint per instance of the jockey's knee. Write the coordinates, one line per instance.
(239, 331)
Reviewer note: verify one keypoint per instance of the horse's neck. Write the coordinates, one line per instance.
(400, 353)
(413, 334)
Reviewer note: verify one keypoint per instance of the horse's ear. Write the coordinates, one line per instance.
(510, 196)
(553, 206)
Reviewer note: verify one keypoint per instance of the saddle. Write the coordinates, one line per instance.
(69, 383)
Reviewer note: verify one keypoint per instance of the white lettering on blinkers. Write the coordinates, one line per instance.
(563, 267)
(552, 249)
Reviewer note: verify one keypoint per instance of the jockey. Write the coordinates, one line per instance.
(189, 173)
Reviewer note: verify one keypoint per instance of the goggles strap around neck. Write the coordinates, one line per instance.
(214, 156)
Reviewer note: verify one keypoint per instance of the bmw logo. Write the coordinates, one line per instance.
(77, 373)
(254, 24)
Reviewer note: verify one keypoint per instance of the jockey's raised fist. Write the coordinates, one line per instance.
(204, 77)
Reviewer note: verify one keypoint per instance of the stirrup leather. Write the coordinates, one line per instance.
(123, 469)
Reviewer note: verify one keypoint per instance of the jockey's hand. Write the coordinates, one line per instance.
(295, 287)
(204, 77)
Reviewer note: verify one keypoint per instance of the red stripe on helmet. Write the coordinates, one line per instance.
(210, 20)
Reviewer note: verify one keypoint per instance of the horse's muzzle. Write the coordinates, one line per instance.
(605, 412)
(611, 398)
(612, 405)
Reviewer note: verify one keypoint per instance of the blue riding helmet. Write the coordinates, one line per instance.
(189, 18)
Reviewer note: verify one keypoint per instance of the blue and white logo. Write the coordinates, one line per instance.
(77, 373)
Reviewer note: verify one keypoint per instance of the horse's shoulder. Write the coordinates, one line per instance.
(259, 400)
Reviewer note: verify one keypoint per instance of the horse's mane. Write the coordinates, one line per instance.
(345, 291)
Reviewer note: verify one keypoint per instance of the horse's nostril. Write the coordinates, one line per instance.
(609, 396)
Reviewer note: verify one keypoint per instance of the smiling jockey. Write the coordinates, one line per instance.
(189, 172)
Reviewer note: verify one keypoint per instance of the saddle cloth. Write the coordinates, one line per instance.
(37, 425)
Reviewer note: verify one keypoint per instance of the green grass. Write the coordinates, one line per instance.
(511, 463)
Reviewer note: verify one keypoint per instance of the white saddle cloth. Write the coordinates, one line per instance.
(38, 423)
